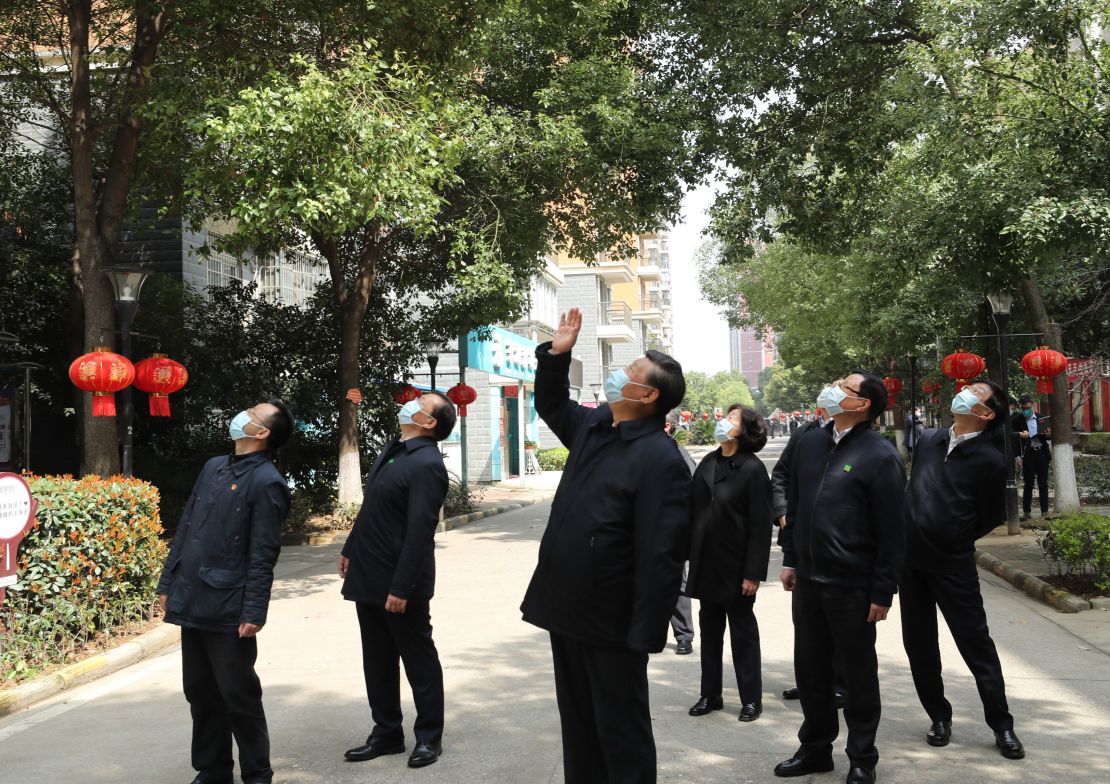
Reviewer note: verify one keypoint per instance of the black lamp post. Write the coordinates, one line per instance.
(913, 402)
(127, 282)
(1001, 302)
(431, 351)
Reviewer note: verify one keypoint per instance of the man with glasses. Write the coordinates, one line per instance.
(956, 495)
(611, 558)
(842, 554)
(388, 571)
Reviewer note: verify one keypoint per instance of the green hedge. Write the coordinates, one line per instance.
(1094, 443)
(1092, 475)
(552, 459)
(90, 565)
(1079, 545)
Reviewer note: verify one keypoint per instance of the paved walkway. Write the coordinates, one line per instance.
(502, 722)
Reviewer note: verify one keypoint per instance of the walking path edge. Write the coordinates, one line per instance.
(1031, 585)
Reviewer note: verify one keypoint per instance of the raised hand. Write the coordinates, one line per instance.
(567, 335)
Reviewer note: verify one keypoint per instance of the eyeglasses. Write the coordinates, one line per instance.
(843, 385)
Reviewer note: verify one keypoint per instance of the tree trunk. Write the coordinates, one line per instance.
(1063, 456)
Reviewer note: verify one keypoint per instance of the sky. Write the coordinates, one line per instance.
(700, 332)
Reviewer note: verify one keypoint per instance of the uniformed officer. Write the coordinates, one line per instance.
(216, 586)
(388, 570)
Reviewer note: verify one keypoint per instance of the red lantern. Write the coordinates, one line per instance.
(930, 387)
(102, 373)
(962, 366)
(705, 416)
(686, 415)
(405, 394)
(893, 386)
(160, 377)
(1044, 363)
(462, 396)
(797, 413)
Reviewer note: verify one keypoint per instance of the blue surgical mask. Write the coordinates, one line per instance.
(238, 422)
(1027, 413)
(723, 431)
(614, 387)
(404, 416)
(964, 402)
(830, 399)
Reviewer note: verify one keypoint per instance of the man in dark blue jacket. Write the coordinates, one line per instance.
(216, 586)
(842, 554)
(611, 558)
(388, 571)
(956, 495)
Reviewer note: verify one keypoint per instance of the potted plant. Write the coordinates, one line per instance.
(530, 445)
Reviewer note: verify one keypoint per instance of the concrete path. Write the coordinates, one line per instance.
(502, 722)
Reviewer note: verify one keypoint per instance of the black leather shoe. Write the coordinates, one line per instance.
(840, 698)
(706, 705)
(375, 747)
(791, 693)
(751, 711)
(939, 734)
(802, 764)
(202, 780)
(424, 755)
(858, 775)
(1009, 745)
(684, 648)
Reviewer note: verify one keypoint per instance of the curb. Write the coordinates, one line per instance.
(459, 520)
(142, 647)
(1033, 586)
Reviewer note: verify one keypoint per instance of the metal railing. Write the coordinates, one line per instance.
(651, 303)
(615, 314)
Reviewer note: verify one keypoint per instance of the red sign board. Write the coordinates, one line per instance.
(510, 391)
(17, 515)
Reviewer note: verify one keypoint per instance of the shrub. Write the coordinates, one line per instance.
(1094, 443)
(682, 437)
(1079, 544)
(701, 431)
(461, 499)
(553, 459)
(1092, 474)
(91, 564)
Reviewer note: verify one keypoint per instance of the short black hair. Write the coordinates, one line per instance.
(996, 403)
(1026, 399)
(445, 417)
(281, 425)
(874, 390)
(666, 376)
(753, 429)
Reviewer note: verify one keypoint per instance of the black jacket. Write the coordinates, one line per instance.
(953, 499)
(221, 564)
(731, 536)
(391, 546)
(1038, 443)
(780, 474)
(610, 562)
(846, 504)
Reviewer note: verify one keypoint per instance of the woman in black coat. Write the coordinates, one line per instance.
(732, 521)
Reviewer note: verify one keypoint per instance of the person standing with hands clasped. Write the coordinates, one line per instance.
(842, 554)
(956, 495)
(610, 561)
(731, 542)
(216, 587)
(388, 571)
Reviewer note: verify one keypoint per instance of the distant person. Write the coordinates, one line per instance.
(610, 561)
(731, 541)
(1035, 455)
(216, 586)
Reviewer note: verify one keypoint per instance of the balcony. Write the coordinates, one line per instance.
(650, 310)
(649, 271)
(610, 270)
(614, 323)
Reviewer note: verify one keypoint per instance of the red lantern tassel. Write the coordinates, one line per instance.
(1044, 386)
(159, 405)
(462, 411)
(104, 404)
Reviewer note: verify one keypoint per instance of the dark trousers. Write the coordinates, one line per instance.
(388, 639)
(225, 699)
(682, 620)
(1034, 468)
(961, 603)
(604, 714)
(744, 634)
(829, 618)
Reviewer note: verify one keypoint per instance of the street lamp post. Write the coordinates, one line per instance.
(913, 402)
(431, 351)
(1001, 302)
(127, 282)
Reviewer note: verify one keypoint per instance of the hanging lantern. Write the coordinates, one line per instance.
(893, 386)
(686, 415)
(462, 396)
(930, 387)
(705, 416)
(103, 373)
(405, 394)
(962, 366)
(159, 376)
(1043, 363)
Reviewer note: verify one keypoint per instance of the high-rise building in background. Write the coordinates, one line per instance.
(751, 350)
